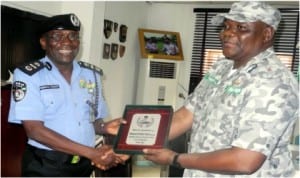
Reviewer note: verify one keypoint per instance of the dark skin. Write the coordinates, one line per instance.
(240, 42)
(62, 53)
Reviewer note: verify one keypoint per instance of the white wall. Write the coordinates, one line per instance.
(121, 74)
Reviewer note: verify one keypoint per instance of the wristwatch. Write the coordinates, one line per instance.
(175, 162)
(101, 126)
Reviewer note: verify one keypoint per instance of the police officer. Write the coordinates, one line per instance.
(242, 113)
(59, 101)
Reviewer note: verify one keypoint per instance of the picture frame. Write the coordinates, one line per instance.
(160, 44)
(114, 51)
(106, 51)
(147, 126)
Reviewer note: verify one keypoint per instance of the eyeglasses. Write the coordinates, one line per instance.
(57, 37)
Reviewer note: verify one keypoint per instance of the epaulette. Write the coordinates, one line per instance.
(32, 67)
(90, 66)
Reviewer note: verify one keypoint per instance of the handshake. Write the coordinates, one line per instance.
(105, 158)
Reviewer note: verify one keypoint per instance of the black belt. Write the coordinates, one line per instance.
(55, 155)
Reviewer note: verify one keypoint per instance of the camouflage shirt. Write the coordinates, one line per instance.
(253, 107)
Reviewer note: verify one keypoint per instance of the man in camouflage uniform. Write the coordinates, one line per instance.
(243, 111)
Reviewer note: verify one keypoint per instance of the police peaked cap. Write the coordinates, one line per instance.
(61, 22)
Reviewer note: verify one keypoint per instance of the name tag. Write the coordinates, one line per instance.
(45, 87)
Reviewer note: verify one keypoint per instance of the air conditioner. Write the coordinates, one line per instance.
(157, 85)
(157, 82)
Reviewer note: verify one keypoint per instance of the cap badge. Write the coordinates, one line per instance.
(75, 21)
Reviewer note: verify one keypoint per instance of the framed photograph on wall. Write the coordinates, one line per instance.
(160, 44)
(106, 51)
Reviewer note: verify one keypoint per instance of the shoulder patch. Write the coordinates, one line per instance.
(32, 67)
(91, 66)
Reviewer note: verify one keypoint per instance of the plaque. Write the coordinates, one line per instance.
(147, 127)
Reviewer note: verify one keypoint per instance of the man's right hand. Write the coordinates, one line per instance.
(104, 157)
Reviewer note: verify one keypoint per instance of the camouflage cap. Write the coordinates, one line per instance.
(250, 11)
(61, 22)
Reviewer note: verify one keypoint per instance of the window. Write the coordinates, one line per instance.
(207, 47)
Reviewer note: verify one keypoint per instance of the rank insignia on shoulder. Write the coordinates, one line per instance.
(32, 67)
(91, 66)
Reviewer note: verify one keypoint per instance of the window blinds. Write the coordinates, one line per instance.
(287, 38)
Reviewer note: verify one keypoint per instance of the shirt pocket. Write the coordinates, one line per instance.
(54, 100)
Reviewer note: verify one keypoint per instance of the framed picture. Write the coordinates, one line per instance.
(114, 51)
(160, 44)
(106, 51)
(147, 127)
